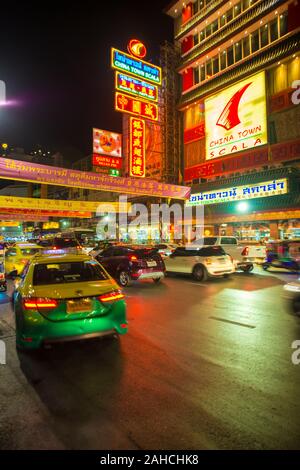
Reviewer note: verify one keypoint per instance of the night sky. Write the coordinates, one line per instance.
(55, 60)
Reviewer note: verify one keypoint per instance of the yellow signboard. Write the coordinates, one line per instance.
(235, 118)
(12, 202)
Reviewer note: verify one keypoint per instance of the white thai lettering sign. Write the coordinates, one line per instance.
(240, 193)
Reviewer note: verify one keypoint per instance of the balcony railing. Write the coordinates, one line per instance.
(196, 18)
(261, 59)
(249, 16)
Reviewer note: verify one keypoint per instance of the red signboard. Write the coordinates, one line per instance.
(196, 133)
(128, 104)
(108, 162)
(227, 165)
(137, 148)
(286, 151)
(135, 86)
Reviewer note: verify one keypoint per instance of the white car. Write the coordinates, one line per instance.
(201, 263)
(166, 249)
(292, 292)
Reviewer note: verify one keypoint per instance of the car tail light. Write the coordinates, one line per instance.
(39, 303)
(24, 261)
(2, 275)
(133, 258)
(245, 251)
(111, 296)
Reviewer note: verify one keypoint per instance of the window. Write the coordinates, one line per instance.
(223, 60)
(208, 69)
(264, 35)
(202, 35)
(212, 251)
(283, 25)
(228, 241)
(12, 252)
(230, 56)
(274, 30)
(209, 240)
(246, 4)
(237, 9)
(215, 64)
(196, 75)
(237, 51)
(229, 15)
(119, 251)
(202, 73)
(208, 31)
(254, 41)
(63, 273)
(214, 26)
(246, 46)
(222, 20)
(196, 39)
(195, 8)
(29, 251)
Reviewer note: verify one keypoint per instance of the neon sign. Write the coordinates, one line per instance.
(144, 109)
(139, 68)
(238, 193)
(137, 48)
(137, 148)
(109, 162)
(136, 87)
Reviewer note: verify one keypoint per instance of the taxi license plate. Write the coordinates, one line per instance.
(77, 306)
(151, 264)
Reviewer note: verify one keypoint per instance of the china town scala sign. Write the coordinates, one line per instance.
(239, 193)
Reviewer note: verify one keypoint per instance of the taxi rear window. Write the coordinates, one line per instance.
(29, 251)
(63, 273)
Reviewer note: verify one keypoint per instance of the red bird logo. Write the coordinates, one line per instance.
(229, 117)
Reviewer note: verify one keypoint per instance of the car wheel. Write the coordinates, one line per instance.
(248, 268)
(157, 280)
(226, 276)
(124, 278)
(199, 273)
(296, 305)
(265, 266)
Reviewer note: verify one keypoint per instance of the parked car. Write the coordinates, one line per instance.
(66, 297)
(128, 263)
(292, 292)
(244, 255)
(201, 263)
(17, 256)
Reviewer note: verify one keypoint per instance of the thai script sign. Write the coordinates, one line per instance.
(268, 188)
(36, 173)
(139, 68)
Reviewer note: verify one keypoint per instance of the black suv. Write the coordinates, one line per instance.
(127, 263)
(60, 245)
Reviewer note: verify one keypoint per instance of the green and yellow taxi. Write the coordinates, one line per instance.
(66, 297)
(17, 256)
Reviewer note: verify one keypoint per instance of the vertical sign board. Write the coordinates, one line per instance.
(137, 163)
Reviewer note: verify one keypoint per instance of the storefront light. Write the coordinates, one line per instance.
(242, 206)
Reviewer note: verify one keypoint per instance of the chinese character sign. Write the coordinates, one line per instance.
(136, 87)
(144, 109)
(137, 148)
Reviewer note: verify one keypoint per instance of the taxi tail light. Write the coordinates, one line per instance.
(245, 251)
(111, 297)
(39, 303)
(24, 261)
(2, 275)
(133, 258)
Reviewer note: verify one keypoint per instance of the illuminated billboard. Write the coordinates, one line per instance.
(108, 162)
(137, 165)
(136, 87)
(128, 104)
(137, 67)
(239, 193)
(107, 143)
(235, 118)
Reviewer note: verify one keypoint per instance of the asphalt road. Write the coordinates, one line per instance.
(204, 366)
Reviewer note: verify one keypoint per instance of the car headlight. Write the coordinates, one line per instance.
(291, 288)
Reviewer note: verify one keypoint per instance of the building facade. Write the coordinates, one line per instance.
(239, 113)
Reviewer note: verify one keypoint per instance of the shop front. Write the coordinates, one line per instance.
(255, 207)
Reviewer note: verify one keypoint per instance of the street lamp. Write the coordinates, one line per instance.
(242, 206)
